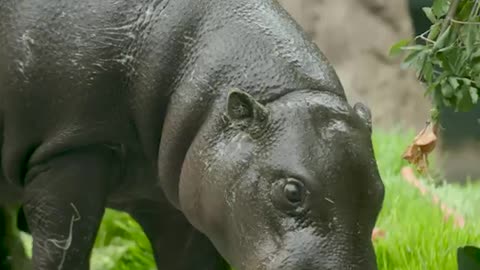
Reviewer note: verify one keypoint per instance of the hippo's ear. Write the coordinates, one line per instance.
(243, 108)
(364, 113)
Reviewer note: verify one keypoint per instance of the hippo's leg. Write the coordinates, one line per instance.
(64, 202)
(177, 244)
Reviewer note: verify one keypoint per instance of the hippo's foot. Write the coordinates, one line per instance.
(177, 244)
(64, 203)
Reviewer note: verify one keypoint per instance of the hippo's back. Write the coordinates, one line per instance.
(66, 76)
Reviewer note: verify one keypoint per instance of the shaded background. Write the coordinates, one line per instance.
(356, 36)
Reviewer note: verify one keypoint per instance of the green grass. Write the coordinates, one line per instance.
(121, 245)
(416, 235)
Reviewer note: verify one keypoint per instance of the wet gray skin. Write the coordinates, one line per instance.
(217, 124)
(287, 185)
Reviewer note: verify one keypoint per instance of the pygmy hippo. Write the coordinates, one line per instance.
(217, 124)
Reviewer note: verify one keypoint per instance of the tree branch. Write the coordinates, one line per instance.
(451, 13)
(462, 22)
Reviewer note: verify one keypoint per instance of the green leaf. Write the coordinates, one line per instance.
(477, 81)
(464, 99)
(434, 31)
(459, 100)
(397, 47)
(476, 65)
(448, 48)
(464, 10)
(442, 40)
(413, 48)
(466, 81)
(459, 57)
(436, 93)
(471, 38)
(474, 94)
(454, 33)
(435, 113)
(453, 61)
(429, 13)
(447, 102)
(432, 87)
(454, 82)
(476, 53)
(447, 90)
(428, 71)
(447, 64)
(440, 7)
(413, 58)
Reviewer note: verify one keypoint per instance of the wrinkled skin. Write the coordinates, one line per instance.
(218, 125)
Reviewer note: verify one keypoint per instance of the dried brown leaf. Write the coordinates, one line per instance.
(423, 144)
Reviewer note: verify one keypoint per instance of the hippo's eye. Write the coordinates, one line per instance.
(289, 195)
(294, 191)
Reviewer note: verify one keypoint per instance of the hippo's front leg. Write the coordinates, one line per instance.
(64, 203)
(176, 243)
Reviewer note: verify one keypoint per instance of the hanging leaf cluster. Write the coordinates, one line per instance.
(446, 58)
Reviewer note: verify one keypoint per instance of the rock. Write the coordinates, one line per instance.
(356, 36)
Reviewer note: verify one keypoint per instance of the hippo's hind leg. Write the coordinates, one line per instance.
(177, 244)
(64, 202)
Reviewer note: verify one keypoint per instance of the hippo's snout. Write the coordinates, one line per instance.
(314, 254)
(338, 264)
